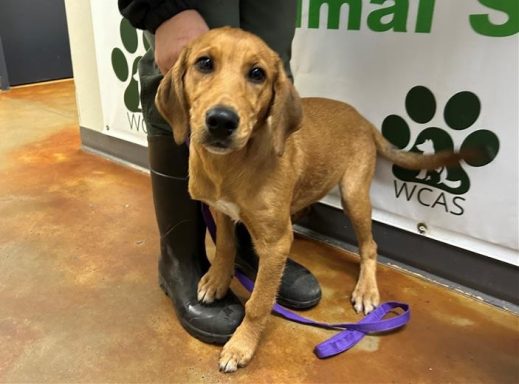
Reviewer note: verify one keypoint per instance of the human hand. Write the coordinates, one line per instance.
(173, 34)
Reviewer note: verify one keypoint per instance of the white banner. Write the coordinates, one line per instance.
(119, 48)
(430, 74)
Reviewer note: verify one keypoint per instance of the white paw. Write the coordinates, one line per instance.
(365, 298)
(234, 356)
(211, 287)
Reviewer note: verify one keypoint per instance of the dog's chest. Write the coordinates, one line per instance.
(228, 208)
(207, 190)
(225, 206)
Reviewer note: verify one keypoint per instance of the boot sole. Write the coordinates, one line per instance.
(285, 302)
(206, 337)
(298, 305)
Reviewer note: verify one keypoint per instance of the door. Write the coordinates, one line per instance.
(35, 40)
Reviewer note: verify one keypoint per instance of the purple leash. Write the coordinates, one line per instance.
(351, 333)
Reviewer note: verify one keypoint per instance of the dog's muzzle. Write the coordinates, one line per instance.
(221, 122)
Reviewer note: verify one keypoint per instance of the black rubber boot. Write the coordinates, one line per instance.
(299, 289)
(183, 260)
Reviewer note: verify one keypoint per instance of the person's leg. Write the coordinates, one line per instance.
(182, 259)
(274, 21)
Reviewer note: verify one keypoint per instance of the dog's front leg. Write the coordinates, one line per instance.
(215, 283)
(272, 251)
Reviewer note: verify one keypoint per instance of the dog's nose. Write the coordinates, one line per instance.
(221, 121)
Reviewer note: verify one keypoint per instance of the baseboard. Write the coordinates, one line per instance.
(468, 269)
(113, 147)
(4, 78)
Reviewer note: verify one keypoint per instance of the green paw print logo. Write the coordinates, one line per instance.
(460, 113)
(121, 64)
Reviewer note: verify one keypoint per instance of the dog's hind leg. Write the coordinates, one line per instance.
(357, 205)
(215, 283)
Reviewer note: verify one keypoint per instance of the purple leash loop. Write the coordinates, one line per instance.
(351, 333)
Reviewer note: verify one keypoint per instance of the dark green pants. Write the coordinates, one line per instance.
(272, 20)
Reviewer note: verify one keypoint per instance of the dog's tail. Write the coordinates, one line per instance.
(413, 160)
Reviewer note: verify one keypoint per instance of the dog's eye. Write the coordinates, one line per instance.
(257, 75)
(204, 64)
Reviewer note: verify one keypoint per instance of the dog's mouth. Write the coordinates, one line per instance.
(218, 147)
(221, 145)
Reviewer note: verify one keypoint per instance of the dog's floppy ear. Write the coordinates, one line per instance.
(170, 99)
(285, 112)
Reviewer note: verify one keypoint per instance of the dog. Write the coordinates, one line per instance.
(259, 154)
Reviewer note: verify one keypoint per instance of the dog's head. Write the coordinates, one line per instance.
(227, 87)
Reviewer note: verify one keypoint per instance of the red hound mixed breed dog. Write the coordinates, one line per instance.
(259, 154)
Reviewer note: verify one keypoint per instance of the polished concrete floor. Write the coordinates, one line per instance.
(79, 300)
